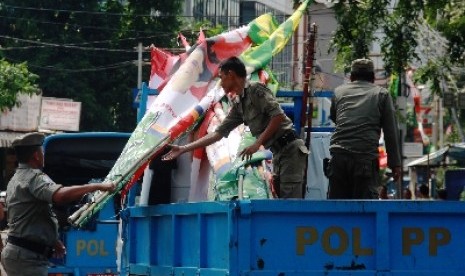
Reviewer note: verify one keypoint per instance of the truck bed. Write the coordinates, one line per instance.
(296, 237)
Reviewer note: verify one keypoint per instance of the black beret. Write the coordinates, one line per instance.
(29, 139)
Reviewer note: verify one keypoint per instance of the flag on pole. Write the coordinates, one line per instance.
(188, 93)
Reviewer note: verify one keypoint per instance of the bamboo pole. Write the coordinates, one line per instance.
(307, 105)
(83, 214)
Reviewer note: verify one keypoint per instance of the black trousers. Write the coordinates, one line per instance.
(351, 177)
(160, 188)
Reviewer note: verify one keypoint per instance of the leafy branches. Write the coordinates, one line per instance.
(357, 23)
(359, 20)
(399, 44)
(84, 50)
(14, 79)
(452, 25)
(432, 72)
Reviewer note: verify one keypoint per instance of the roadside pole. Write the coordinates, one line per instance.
(139, 65)
(307, 97)
(402, 108)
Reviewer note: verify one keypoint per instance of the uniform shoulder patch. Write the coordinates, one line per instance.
(260, 89)
(43, 176)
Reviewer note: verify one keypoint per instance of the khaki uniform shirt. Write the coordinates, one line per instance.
(255, 108)
(360, 110)
(29, 201)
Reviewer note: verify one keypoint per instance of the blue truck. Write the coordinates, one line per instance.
(249, 237)
(253, 237)
(294, 237)
(78, 158)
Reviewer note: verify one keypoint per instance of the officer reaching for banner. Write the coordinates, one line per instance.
(254, 105)
(33, 227)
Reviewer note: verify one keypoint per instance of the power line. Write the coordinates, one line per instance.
(321, 11)
(76, 26)
(94, 69)
(82, 43)
(89, 12)
(46, 44)
(57, 23)
(40, 44)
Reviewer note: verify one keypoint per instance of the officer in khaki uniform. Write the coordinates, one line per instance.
(255, 106)
(33, 227)
(361, 109)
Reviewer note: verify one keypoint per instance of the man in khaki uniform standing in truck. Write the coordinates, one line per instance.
(255, 106)
(33, 227)
(360, 109)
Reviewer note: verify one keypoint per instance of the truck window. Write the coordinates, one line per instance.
(79, 158)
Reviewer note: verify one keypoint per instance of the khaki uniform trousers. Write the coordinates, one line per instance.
(18, 261)
(289, 164)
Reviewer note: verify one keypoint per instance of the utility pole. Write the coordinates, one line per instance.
(307, 96)
(307, 93)
(139, 66)
(401, 105)
(445, 88)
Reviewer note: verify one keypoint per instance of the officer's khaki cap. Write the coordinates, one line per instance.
(362, 65)
(29, 139)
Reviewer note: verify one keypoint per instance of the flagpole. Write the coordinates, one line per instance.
(139, 65)
(149, 133)
(307, 105)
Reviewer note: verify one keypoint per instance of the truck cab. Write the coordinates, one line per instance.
(80, 158)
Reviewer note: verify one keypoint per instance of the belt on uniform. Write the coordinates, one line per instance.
(285, 139)
(35, 247)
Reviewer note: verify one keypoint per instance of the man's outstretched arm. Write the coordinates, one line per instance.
(207, 140)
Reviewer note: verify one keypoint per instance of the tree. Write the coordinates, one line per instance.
(15, 79)
(85, 50)
(452, 25)
(399, 22)
(357, 23)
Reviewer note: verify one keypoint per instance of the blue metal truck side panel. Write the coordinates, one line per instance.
(297, 237)
(455, 183)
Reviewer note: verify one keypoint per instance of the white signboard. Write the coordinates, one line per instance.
(59, 114)
(23, 118)
(413, 149)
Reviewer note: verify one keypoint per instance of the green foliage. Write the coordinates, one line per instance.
(357, 23)
(394, 86)
(453, 137)
(359, 20)
(15, 79)
(452, 25)
(398, 46)
(434, 9)
(432, 73)
(86, 50)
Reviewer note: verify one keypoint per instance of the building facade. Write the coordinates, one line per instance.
(223, 12)
(288, 66)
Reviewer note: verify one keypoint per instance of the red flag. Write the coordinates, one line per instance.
(184, 42)
(201, 37)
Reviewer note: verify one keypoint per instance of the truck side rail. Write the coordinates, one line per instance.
(297, 237)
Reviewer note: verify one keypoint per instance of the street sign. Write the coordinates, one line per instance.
(413, 149)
